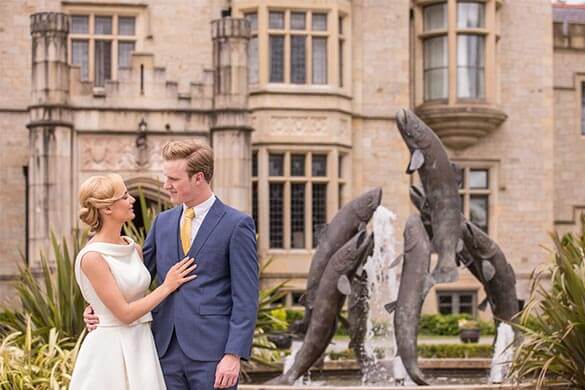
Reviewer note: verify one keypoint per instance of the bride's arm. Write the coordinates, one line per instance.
(98, 272)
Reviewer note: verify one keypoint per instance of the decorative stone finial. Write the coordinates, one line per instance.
(43, 22)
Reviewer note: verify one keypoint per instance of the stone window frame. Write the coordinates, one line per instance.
(336, 11)
(452, 31)
(492, 168)
(140, 24)
(338, 188)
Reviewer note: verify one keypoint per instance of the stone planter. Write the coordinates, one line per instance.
(469, 335)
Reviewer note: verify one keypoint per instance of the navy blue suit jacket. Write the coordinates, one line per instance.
(215, 313)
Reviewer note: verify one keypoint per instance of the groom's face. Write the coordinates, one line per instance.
(181, 187)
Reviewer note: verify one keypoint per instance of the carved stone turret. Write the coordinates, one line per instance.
(50, 134)
(230, 129)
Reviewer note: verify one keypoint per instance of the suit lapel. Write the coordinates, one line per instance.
(211, 220)
(176, 230)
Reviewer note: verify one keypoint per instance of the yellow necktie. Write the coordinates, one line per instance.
(186, 229)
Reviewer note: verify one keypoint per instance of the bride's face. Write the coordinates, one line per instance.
(122, 210)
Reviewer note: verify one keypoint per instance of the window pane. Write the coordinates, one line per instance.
(103, 25)
(340, 22)
(80, 56)
(435, 17)
(298, 21)
(320, 61)
(255, 164)
(80, 24)
(319, 165)
(298, 59)
(583, 108)
(319, 22)
(478, 211)
(125, 50)
(478, 178)
(253, 60)
(340, 166)
(466, 309)
(319, 209)
(296, 297)
(252, 18)
(470, 66)
(297, 165)
(276, 165)
(436, 68)
(340, 194)
(470, 15)
(255, 204)
(445, 303)
(276, 59)
(297, 215)
(103, 62)
(276, 214)
(466, 299)
(276, 20)
(126, 25)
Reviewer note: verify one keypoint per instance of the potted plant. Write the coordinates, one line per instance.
(468, 331)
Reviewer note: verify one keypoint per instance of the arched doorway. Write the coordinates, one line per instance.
(151, 199)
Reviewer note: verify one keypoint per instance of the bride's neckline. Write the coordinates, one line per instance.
(113, 249)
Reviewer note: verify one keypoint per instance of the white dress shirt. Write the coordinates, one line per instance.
(201, 211)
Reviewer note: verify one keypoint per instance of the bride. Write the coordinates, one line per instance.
(120, 353)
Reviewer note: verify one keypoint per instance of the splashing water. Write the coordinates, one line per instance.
(383, 288)
(290, 359)
(502, 354)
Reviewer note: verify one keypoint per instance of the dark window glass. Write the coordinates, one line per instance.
(255, 204)
(340, 194)
(298, 59)
(125, 50)
(297, 215)
(80, 24)
(103, 25)
(126, 25)
(254, 164)
(319, 165)
(297, 21)
(276, 165)
(296, 297)
(478, 211)
(80, 56)
(103, 62)
(319, 209)
(297, 165)
(276, 215)
(276, 20)
(445, 304)
(341, 63)
(276, 59)
(319, 22)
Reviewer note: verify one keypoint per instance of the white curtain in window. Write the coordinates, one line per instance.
(470, 15)
(80, 56)
(319, 60)
(436, 68)
(470, 66)
(253, 60)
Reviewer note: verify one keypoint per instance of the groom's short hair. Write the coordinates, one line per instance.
(198, 155)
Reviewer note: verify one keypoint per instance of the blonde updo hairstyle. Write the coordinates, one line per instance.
(96, 193)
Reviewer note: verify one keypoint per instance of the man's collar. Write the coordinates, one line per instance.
(203, 206)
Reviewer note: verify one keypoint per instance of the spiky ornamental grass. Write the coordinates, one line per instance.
(553, 321)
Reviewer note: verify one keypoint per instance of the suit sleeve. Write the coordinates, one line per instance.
(149, 250)
(243, 263)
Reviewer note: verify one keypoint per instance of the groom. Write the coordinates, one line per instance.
(203, 329)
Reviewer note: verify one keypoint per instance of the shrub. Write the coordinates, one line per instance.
(553, 321)
(455, 351)
(448, 325)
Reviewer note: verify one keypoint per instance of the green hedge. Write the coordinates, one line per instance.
(447, 325)
(431, 351)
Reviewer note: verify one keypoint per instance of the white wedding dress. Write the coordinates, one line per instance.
(117, 356)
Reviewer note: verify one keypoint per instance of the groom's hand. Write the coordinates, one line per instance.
(227, 372)
(91, 320)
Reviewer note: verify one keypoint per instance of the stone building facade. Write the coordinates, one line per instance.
(297, 98)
